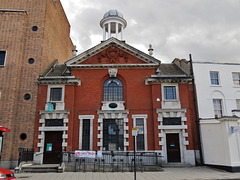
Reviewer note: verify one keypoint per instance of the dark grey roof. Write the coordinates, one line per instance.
(170, 69)
(58, 70)
(169, 73)
(54, 69)
(57, 73)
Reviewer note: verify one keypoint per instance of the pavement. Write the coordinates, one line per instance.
(180, 173)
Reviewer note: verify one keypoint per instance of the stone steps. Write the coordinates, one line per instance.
(40, 168)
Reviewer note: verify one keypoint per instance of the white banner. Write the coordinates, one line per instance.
(87, 154)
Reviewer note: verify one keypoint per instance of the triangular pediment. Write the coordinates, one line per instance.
(112, 51)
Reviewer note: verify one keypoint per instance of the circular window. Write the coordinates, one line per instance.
(113, 105)
(31, 61)
(34, 28)
(27, 96)
(23, 136)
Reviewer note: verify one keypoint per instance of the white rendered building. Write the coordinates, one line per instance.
(218, 96)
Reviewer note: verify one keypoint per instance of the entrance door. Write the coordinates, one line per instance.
(173, 149)
(52, 147)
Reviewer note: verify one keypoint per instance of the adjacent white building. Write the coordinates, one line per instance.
(218, 96)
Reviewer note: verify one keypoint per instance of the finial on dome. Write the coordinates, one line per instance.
(113, 23)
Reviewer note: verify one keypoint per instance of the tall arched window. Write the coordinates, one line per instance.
(113, 90)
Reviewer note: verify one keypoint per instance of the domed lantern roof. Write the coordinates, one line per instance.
(113, 23)
(113, 13)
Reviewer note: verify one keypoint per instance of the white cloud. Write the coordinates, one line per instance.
(209, 30)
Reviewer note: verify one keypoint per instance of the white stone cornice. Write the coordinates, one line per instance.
(183, 110)
(59, 80)
(218, 120)
(172, 127)
(55, 112)
(113, 111)
(168, 79)
(106, 66)
(102, 22)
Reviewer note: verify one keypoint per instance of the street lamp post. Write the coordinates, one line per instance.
(134, 133)
(134, 154)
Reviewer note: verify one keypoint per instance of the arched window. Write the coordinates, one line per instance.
(113, 90)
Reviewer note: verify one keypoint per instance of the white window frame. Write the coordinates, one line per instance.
(176, 88)
(214, 110)
(55, 86)
(214, 79)
(144, 116)
(81, 118)
(238, 104)
(4, 58)
(238, 73)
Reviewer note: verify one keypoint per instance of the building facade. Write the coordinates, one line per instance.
(32, 35)
(92, 102)
(218, 93)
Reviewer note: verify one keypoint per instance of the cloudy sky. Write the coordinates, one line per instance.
(207, 29)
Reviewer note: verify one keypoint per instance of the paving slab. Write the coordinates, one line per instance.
(183, 173)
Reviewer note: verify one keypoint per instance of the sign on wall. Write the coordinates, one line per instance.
(50, 107)
(99, 154)
(49, 147)
(234, 129)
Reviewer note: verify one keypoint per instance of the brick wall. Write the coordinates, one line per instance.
(18, 77)
(12, 40)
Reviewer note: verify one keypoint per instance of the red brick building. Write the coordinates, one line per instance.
(92, 102)
(32, 35)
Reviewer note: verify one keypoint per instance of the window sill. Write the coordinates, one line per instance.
(171, 100)
(236, 86)
(55, 102)
(215, 85)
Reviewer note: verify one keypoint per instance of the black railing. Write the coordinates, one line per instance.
(25, 155)
(114, 161)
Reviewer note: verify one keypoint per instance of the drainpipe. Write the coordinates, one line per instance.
(196, 110)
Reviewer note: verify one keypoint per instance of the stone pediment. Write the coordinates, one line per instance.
(112, 52)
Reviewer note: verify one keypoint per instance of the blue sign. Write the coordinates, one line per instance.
(49, 147)
(50, 107)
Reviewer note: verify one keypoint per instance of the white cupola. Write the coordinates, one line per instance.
(113, 23)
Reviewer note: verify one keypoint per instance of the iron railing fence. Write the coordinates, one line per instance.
(25, 155)
(114, 161)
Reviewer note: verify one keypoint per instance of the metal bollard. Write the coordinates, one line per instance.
(103, 164)
(122, 164)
